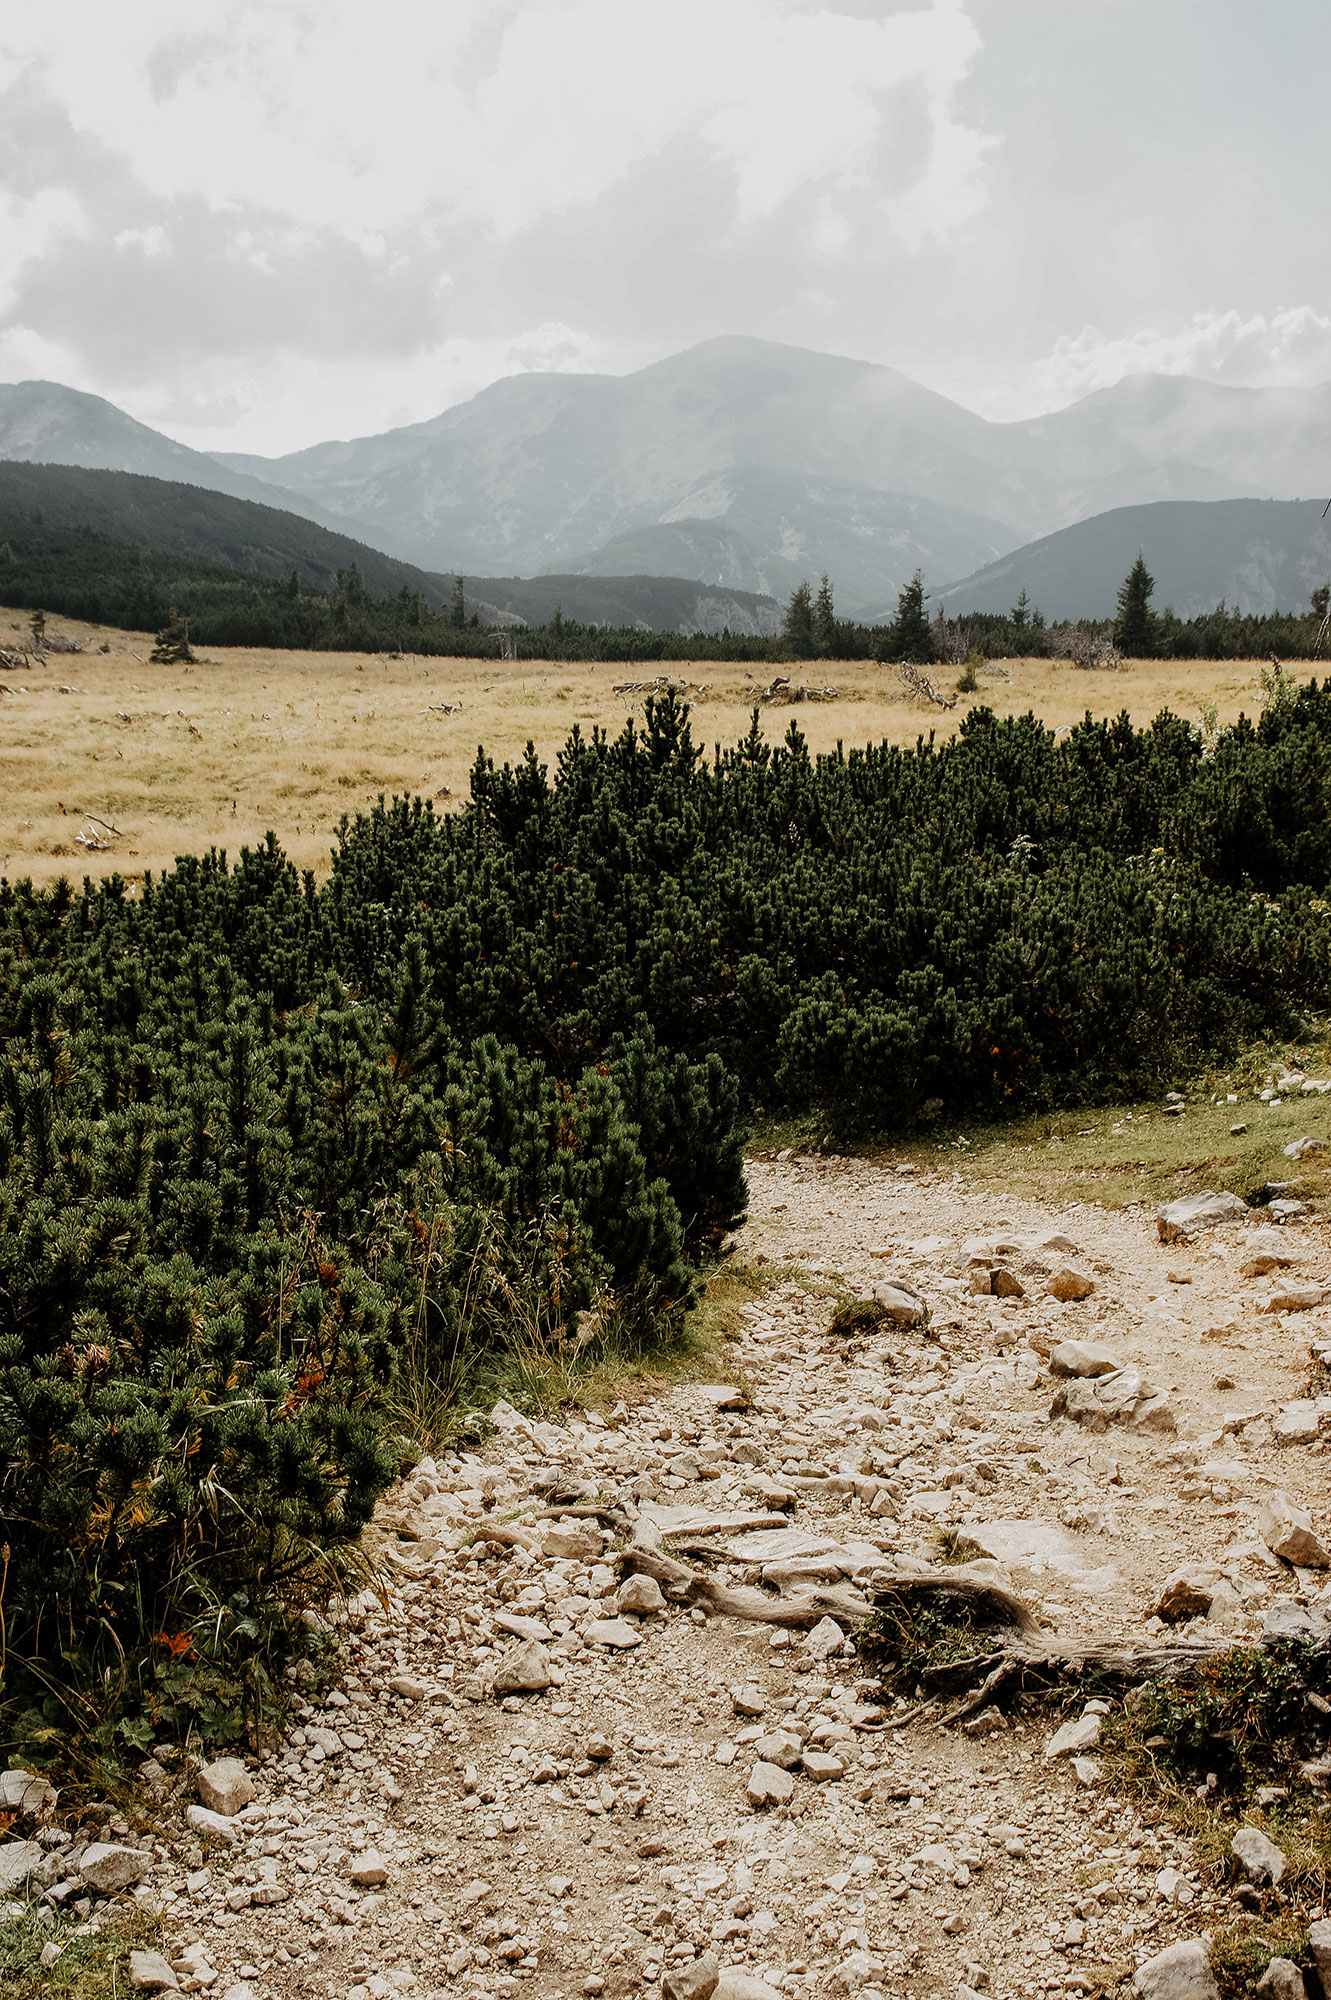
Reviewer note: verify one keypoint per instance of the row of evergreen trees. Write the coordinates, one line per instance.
(82, 573)
(811, 630)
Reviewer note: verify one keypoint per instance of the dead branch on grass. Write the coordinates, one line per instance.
(781, 690)
(918, 683)
(662, 685)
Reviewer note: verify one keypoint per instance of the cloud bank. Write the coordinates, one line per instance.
(258, 225)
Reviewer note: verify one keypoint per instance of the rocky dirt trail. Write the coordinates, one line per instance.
(536, 1774)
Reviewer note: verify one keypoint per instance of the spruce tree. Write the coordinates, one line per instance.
(797, 624)
(909, 636)
(1135, 623)
(1020, 614)
(458, 608)
(824, 621)
(173, 647)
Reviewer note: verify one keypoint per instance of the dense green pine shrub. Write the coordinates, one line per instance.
(234, 1190)
(260, 1140)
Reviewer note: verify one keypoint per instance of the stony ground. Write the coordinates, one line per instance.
(418, 1833)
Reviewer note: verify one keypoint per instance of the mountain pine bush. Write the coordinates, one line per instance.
(273, 1153)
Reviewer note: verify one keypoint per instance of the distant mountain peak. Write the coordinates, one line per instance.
(776, 459)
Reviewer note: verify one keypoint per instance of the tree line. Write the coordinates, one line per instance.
(84, 573)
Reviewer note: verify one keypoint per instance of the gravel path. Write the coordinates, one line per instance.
(417, 1834)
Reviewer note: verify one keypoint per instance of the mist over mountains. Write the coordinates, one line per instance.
(743, 464)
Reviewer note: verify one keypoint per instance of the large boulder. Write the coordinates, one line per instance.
(1123, 1397)
(524, 1669)
(150, 1973)
(901, 1305)
(214, 1826)
(1288, 1532)
(1258, 1856)
(1179, 1972)
(106, 1869)
(1319, 1943)
(1083, 1358)
(1266, 1250)
(1080, 1734)
(24, 1793)
(695, 1980)
(1069, 1284)
(1188, 1593)
(1282, 1980)
(1194, 1212)
(21, 1862)
(225, 1787)
(641, 1595)
(769, 1785)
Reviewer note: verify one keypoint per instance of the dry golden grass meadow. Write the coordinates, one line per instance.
(181, 759)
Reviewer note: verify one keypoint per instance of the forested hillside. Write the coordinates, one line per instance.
(122, 549)
(268, 1151)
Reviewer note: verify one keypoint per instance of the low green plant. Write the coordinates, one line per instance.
(907, 1635)
(853, 1317)
(1240, 1953)
(968, 681)
(90, 1966)
(1238, 1721)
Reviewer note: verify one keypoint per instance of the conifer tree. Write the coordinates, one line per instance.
(824, 621)
(173, 647)
(909, 636)
(1135, 624)
(797, 624)
(458, 607)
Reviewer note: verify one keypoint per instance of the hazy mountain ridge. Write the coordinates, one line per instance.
(1258, 556)
(45, 423)
(165, 516)
(746, 464)
(555, 472)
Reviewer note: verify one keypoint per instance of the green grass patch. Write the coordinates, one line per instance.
(905, 1636)
(88, 1968)
(1240, 1954)
(853, 1317)
(1126, 1152)
(1243, 1720)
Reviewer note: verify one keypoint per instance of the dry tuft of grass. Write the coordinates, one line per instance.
(181, 759)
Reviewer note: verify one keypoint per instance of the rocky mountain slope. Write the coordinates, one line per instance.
(792, 457)
(740, 462)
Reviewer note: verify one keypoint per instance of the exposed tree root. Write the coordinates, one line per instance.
(690, 1586)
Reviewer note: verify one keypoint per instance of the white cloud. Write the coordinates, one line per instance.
(296, 216)
(281, 401)
(315, 116)
(31, 227)
(1290, 348)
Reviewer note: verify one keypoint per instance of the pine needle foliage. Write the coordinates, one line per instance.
(265, 1145)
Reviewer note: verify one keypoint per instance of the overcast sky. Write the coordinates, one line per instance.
(259, 225)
